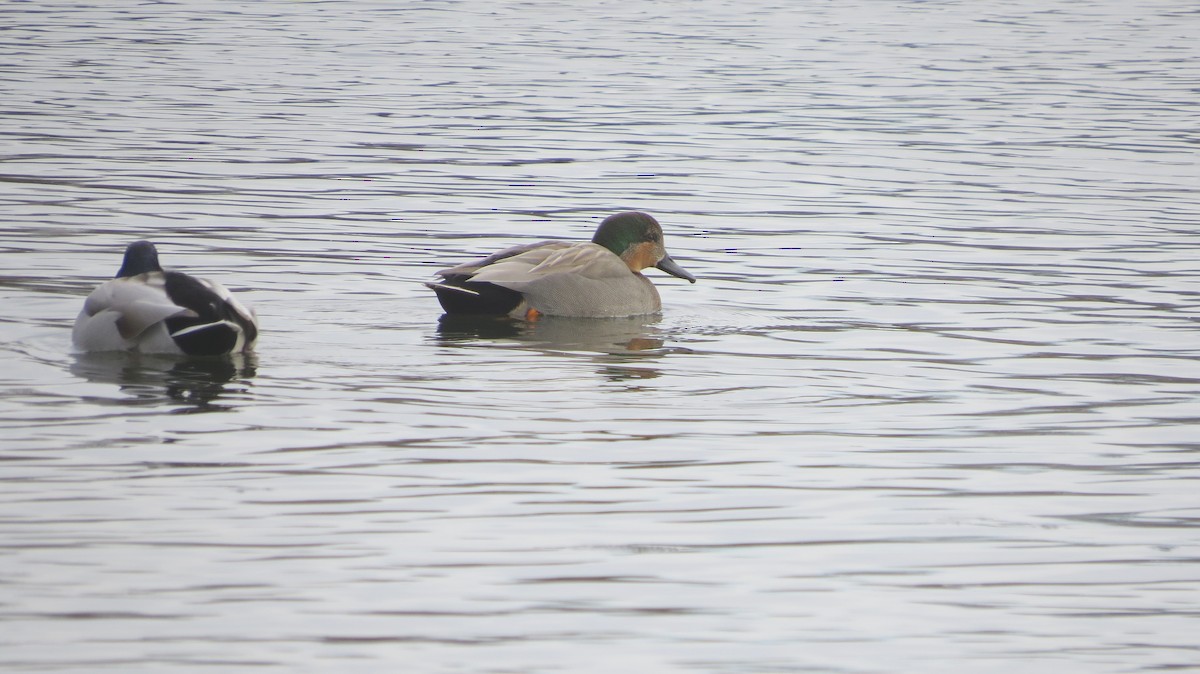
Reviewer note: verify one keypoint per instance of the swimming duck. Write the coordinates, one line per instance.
(150, 310)
(597, 279)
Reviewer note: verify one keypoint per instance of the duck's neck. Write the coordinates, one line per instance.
(639, 256)
(140, 257)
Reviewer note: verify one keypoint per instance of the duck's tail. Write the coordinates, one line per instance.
(439, 287)
(458, 295)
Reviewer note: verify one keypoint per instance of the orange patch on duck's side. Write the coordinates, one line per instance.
(643, 343)
(640, 256)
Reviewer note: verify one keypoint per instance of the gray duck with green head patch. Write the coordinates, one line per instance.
(597, 279)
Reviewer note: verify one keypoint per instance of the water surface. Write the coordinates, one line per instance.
(931, 407)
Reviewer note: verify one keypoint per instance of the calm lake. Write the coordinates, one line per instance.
(932, 406)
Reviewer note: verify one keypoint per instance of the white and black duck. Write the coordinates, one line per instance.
(149, 310)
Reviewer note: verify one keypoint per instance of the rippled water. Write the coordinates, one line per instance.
(932, 406)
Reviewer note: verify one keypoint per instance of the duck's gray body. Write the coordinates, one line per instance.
(558, 278)
(555, 278)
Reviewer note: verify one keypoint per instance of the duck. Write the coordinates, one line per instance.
(148, 310)
(601, 278)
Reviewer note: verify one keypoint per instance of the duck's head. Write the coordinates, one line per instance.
(637, 239)
(140, 257)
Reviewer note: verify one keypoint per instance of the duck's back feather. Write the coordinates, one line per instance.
(119, 312)
(530, 251)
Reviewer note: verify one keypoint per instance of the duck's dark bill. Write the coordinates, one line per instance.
(668, 265)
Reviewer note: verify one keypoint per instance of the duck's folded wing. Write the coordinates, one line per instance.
(137, 305)
(584, 260)
(530, 254)
(587, 260)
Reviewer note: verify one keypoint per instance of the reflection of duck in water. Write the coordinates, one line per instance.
(155, 379)
(624, 349)
(150, 310)
(556, 333)
(597, 279)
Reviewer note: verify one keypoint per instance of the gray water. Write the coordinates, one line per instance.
(932, 406)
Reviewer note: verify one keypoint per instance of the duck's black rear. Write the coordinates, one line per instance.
(475, 297)
(211, 331)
